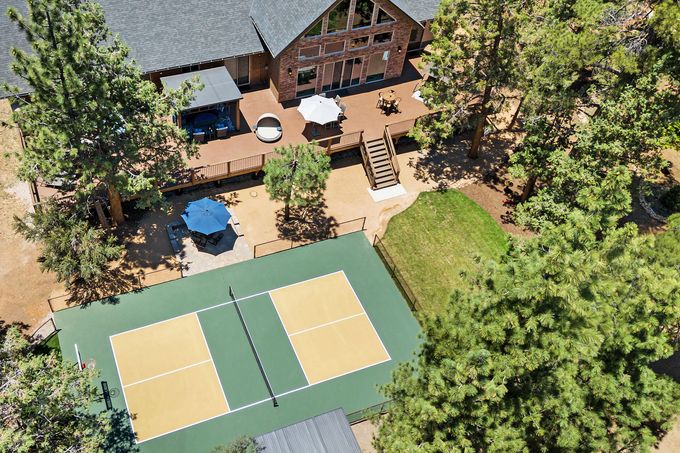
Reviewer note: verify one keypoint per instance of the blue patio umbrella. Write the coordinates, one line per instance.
(206, 216)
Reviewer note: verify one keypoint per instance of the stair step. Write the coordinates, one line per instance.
(385, 178)
(383, 185)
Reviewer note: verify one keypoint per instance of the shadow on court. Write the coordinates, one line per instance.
(120, 439)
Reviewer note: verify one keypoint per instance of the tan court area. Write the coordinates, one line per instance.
(168, 376)
(328, 327)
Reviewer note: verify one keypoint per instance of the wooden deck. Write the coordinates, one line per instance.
(362, 115)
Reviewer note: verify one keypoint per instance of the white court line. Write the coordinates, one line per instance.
(284, 327)
(297, 357)
(222, 304)
(127, 407)
(200, 326)
(369, 318)
(167, 373)
(266, 400)
(325, 324)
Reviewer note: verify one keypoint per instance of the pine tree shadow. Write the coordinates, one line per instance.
(446, 163)
(121, 438)
(106, 288)
(306, 224)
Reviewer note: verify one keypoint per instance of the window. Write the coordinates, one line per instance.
(315, 30)
(363, 14)
(382, 38)
(309, 52)
(306, 81)
(414, 40)
(352, 72)
(383, 17)
(239, 69)
(358, 43)
(337, 19)
(376, 66)
(334, 47)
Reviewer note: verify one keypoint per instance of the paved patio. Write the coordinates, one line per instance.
(361, 114)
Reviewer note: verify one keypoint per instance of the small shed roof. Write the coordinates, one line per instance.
(325, 433)
(218, 88)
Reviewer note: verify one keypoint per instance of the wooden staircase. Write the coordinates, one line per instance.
(379, 162)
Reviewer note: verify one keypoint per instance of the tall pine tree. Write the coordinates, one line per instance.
(549, 350)
(92, 119)
(472, 59)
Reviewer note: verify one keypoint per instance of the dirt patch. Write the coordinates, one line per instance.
(25, 288)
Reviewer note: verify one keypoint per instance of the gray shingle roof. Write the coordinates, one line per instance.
(281, 22)
(164, 34)
(419, 10)
(161, 33)
(325, 433)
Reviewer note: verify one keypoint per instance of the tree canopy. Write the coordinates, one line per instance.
(473, 56)
(297, 175)
(45, 403)
(548, 349)
(92, 119)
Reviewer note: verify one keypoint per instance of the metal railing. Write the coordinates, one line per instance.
(365, 414)
(397, 276)
(44, 332)
(141, 280)
(368, 166)
(283, 244)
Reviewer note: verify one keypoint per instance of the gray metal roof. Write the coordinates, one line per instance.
(218, 87)
(325, 433)
(281, 22)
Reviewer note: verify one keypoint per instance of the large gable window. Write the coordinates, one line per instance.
(315, 30)
(337, 19)
(383, 17)
(363, 14)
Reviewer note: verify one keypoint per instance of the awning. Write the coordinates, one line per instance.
(219, 87)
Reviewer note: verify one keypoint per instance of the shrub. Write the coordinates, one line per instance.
(671, 199)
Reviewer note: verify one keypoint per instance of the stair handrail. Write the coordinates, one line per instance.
(387, 138)
(368, 167)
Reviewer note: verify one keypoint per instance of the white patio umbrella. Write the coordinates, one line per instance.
(319, 110)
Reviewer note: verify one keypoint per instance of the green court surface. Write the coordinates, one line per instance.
(251, 411)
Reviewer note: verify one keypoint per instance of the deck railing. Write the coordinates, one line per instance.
(341, 142)
(253, 164)
(387, 138)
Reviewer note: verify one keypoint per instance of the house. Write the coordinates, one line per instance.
(257, 57)
(295, 47)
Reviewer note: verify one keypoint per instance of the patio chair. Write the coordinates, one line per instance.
(381, 101)
(221, 130)
(213, 239)
(199, 239)
(268, 128)
(343, 109)
(395, 105)
(337, 99)
(198, 136)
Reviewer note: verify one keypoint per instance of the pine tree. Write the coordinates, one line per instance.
(297, 176)
(548, 350)
(473, 57)
(45, 403)
(92, 119)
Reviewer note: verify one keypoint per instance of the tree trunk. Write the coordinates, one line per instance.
(473, 152)
(116, 206)
(516, 115)
(286, 212)
(528, 188)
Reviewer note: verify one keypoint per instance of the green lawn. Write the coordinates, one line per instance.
(439, 237)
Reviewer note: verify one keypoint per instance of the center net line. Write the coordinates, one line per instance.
(252, 347)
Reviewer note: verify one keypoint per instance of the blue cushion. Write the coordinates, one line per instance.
(198, 130)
